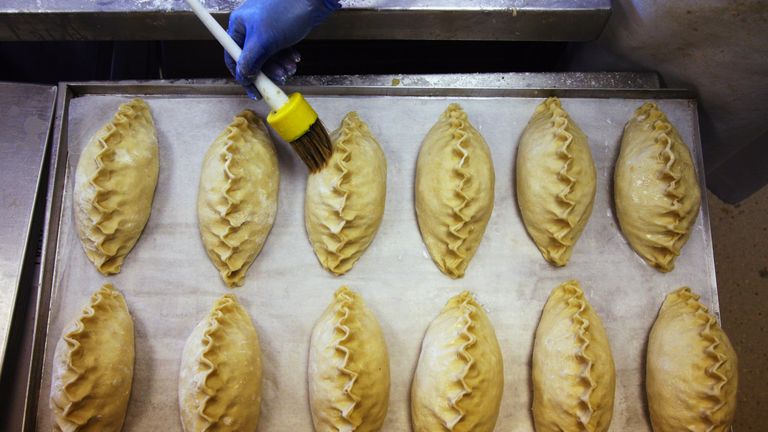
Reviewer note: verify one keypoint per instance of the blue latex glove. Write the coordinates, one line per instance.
(266, 29)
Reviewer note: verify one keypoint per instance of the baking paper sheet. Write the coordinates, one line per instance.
(170, 284)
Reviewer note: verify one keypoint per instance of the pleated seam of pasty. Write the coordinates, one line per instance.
(98, 304)
(209, 356)
(457, 119)
(350, 126)
(232, 172)
(467, 308)
(114, 132)
(657, 120)
(345, 300)
(560, 122)
(574, 297)
(707, 321)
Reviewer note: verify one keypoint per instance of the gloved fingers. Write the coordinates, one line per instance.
(246, 82)
(255, 54)
(230, 62)
(294, 55)
(289, 58)
(282, 65)
(275, 71)
(252, 92)
(236, 31)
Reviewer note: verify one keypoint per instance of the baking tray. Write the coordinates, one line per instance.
(170, 284)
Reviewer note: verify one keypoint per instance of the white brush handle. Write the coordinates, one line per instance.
(273, 96)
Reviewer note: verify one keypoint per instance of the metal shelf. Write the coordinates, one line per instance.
(502, 20)
(24, 131)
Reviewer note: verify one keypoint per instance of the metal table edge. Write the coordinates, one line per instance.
(25, 253)
(595, 5)
(49, 240)
(597, 84)
(705, 214)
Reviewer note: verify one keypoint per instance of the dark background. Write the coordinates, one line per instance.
(51, 62)
(732, 178)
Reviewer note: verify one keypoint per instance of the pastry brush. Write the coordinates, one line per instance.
(292, 117)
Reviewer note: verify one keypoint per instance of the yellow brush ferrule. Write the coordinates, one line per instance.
(293, 119)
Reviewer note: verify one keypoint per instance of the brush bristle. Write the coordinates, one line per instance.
(314, 147)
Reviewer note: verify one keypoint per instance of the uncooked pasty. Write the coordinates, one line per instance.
(459, 378)
(555, 181)
(93, 366)
(237, 198)
(574, 377)
(220, 375)
(656, 191)
(114, 186)
(691, 369)
(454, 191)
(345, 200)
(348, 371)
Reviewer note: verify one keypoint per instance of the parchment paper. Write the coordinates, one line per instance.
(170, 284)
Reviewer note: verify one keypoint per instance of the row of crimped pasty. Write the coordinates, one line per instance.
(691, 368)
(237, 198)
(117, 174)
(656, 193)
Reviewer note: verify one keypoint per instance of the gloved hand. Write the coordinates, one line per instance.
(266, 29)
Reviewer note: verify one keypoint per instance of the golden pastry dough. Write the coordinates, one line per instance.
(220, 375)
(656, 192)
(574, 377)
(691, 369)
(459, 379)
(114, 186)
(348, 370)
(237, 198)
(344, 201)
(555, 181)
(93, 366)
(454, 191)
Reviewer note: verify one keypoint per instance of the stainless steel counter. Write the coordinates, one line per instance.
(509, 80)
(529, 20)
(24, 130)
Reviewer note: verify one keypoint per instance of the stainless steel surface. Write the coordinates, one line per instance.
(521, 80)
(521, 83)
(696, 266)
(542, 20)
(24, 130)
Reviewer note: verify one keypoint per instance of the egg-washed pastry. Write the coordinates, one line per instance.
(555, 181)
(574, 377)
(93, 366)
(115, 184)
(237, 198)
(454, 191)
(655, 188)
(348, 373)
(344, 201)
(691, 368)
(220, 374)
(459, 378)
